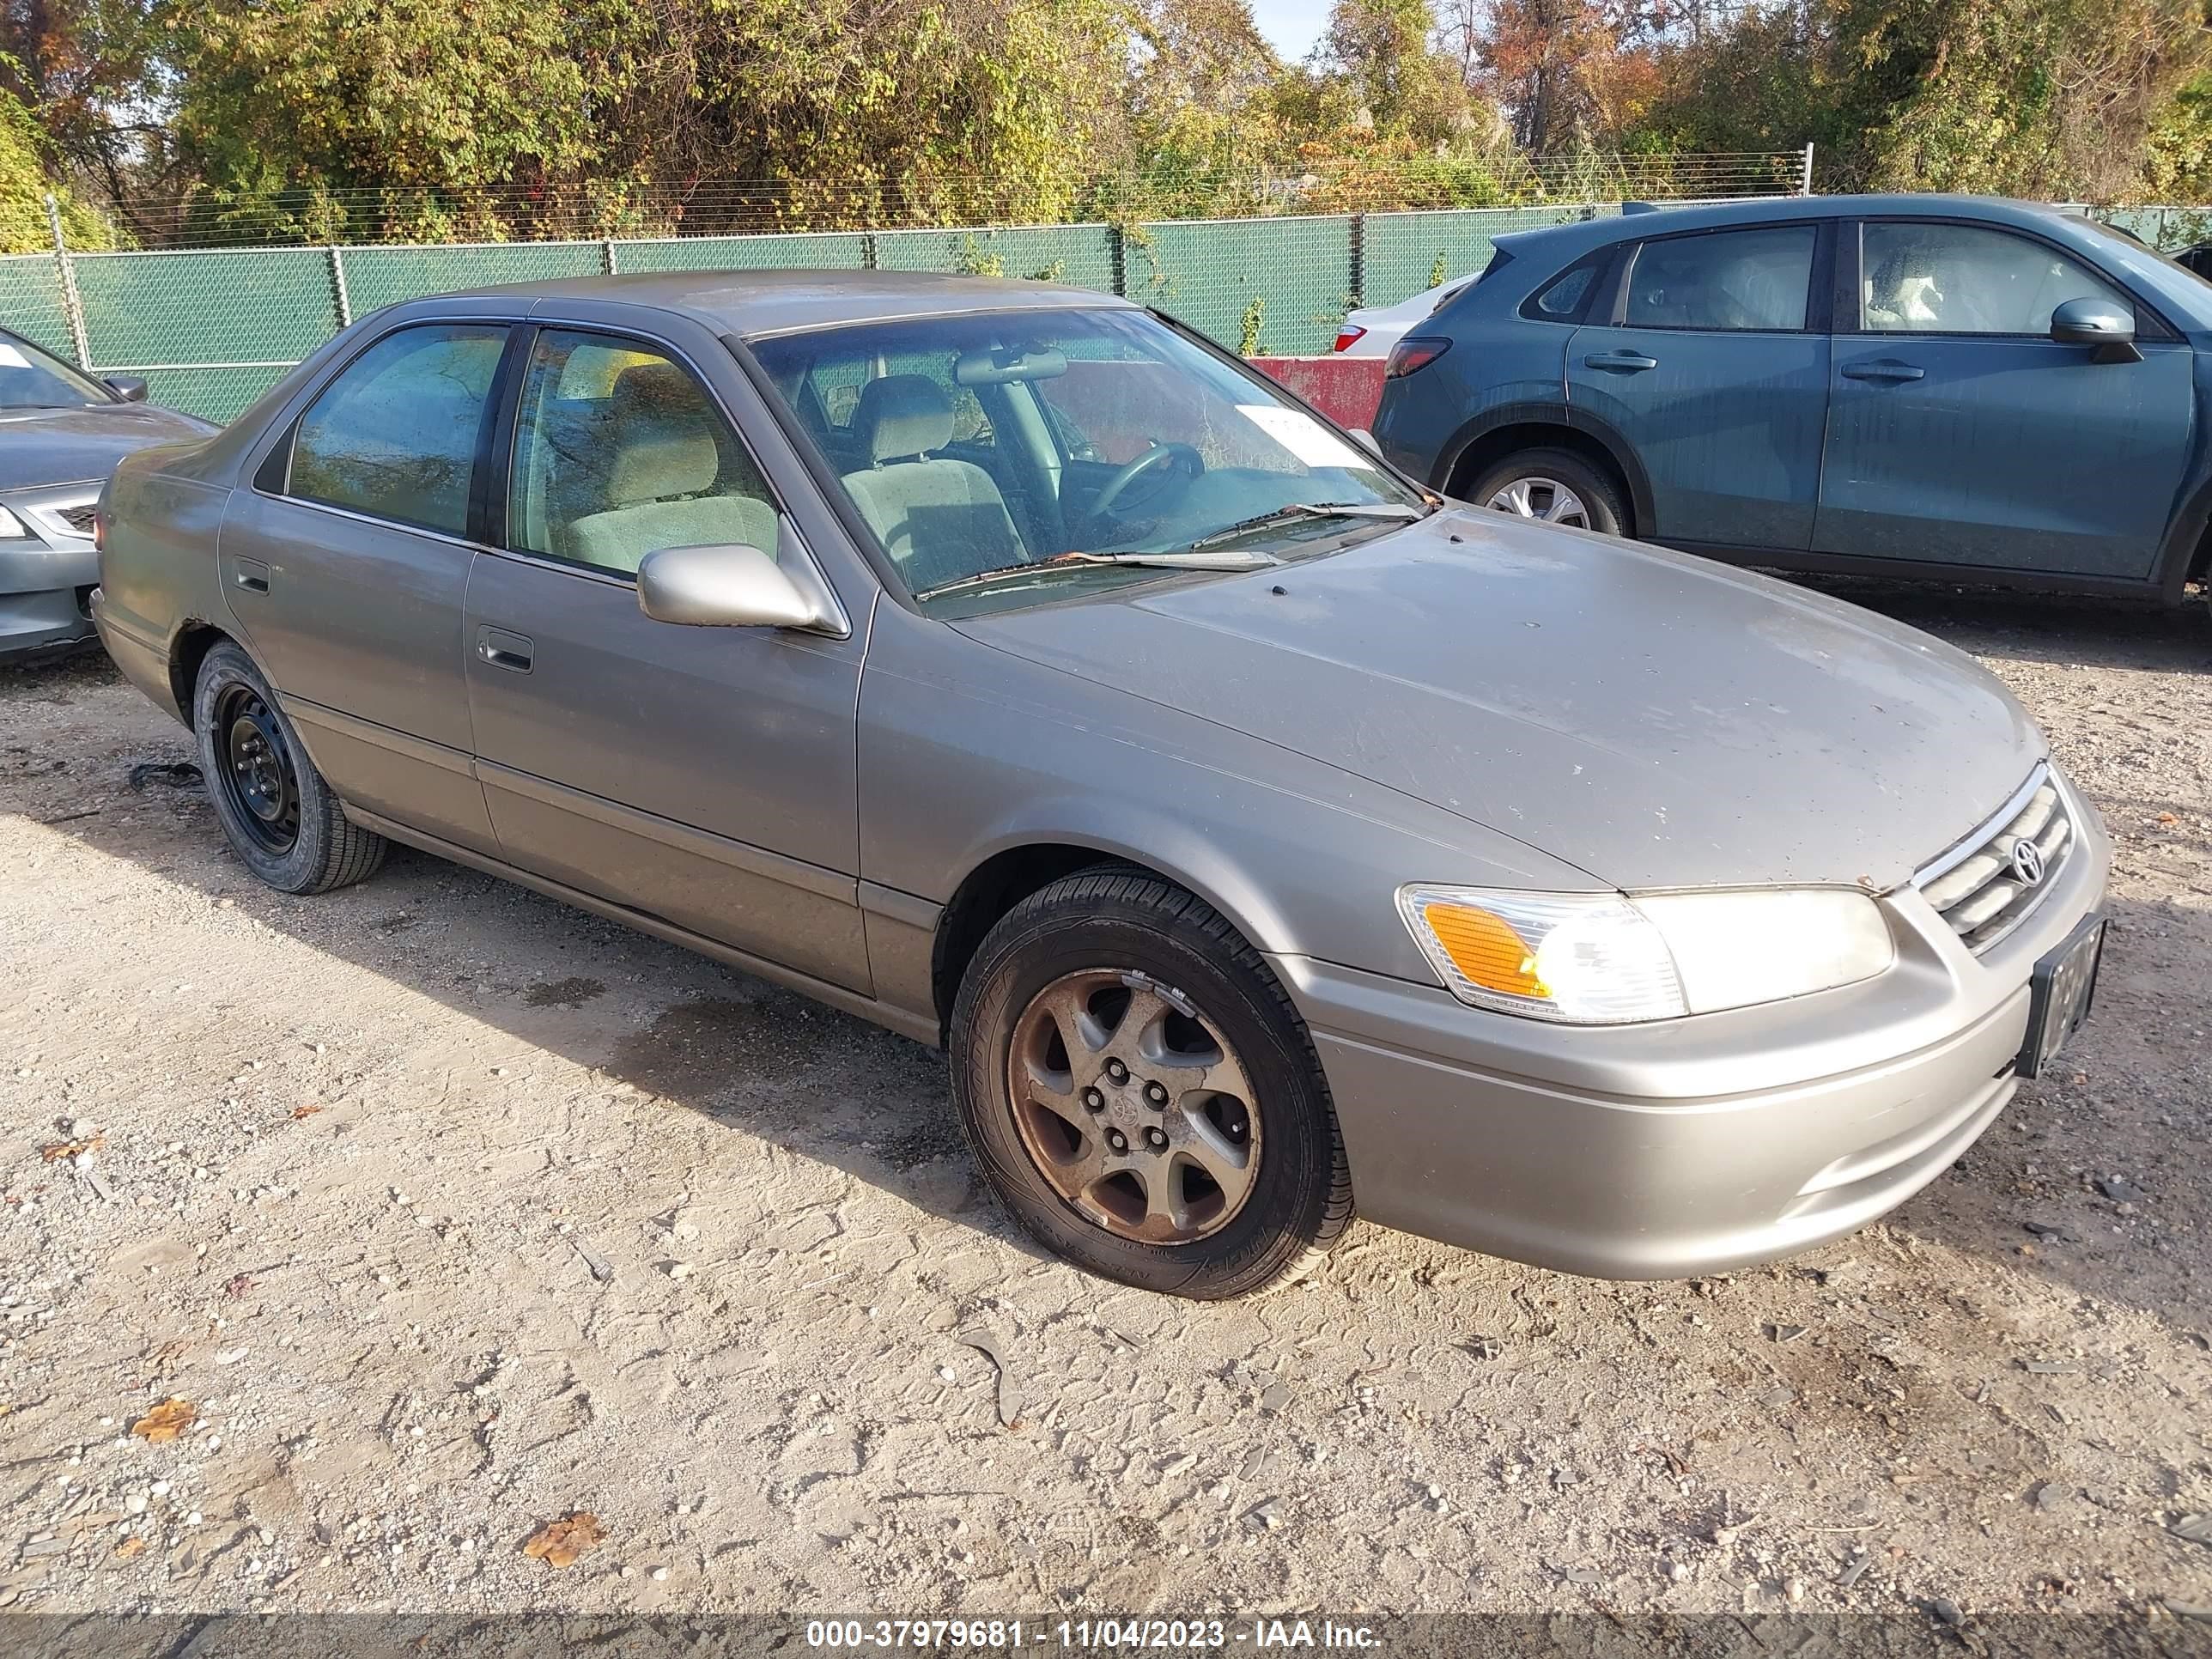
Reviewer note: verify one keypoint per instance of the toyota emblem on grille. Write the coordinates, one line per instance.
(2027, 862)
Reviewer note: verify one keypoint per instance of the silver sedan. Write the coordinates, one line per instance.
(1257, 832)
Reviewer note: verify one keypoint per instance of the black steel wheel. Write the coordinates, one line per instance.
(278, 815)
(257, 771)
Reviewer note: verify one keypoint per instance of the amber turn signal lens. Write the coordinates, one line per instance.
(1485, 948)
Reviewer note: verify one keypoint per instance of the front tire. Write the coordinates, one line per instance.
(1140, 1092)
(1555, 486)
(278, 815)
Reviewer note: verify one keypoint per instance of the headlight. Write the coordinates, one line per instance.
(1599, 959)
(11, 527)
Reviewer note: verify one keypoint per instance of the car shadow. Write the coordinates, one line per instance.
(2067, 629)
(831, 1088)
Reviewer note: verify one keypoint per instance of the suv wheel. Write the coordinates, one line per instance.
(1140, 1092)
(1554, 485)
(278, 815)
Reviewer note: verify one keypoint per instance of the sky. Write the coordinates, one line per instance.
(1291, 26)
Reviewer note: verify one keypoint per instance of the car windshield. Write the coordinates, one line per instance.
(2139, 258)
(1014, 457)
(31, 379)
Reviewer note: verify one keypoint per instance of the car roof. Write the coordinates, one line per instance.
(752, 303)
(1641, 221)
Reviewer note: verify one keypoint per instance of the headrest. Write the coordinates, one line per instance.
(902, 415)
(664, 441)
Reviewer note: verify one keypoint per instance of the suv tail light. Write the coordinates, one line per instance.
(1413, 354)
(99, 531)
(1348, 337)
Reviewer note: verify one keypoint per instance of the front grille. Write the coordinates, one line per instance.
(79, 519)
(1980, 886)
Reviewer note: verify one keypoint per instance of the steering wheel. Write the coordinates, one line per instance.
(1113, 489)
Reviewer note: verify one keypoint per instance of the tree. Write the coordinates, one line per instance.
(1381, 55)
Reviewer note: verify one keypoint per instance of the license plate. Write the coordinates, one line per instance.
(2063, 988)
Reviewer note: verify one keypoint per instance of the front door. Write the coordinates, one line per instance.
(1713, 368)
(1961, 433)
(701, 775)
(345, 564)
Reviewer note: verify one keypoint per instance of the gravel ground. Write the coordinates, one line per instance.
(453, 1211)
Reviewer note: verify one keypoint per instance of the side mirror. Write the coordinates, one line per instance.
(730, 586)
(2111, 328)
(132, 388)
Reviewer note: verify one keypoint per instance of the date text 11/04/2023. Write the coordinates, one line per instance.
(1083, 1634)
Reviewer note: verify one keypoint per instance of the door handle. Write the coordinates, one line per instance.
(504, 650)
(1620, 362)
(251, 574)
(1883, 368)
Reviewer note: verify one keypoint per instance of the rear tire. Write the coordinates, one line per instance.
(278, 815)
(1556, 486)
(1175, 1056)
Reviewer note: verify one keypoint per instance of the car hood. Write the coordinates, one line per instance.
(1655, 719)
(72, 446)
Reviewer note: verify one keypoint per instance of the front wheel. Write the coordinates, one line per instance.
(1555, 486)
(278, 815)
(1141, 1092)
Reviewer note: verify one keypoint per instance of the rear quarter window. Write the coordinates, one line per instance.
(1566, 297)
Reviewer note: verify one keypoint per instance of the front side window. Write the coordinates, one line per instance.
(1729, 280)
(1967, 279)
(395, 436)
(1096, 439)
(31, 379)
(619, 451)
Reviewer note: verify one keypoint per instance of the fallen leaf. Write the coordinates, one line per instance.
(62, 1149)
(125, 1548)
(299, 1112)
(558, 1543)
(167, 1421)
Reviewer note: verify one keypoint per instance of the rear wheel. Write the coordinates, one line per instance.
(1141, 1094)
(1555, 486)
(278, 815)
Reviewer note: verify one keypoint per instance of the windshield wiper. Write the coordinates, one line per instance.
(1186, 559)
(1297, 510)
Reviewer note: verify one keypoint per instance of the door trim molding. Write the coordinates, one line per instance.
(304, 712)
(722, 849)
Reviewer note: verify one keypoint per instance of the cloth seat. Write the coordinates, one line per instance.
(664, 459)
(939, 518)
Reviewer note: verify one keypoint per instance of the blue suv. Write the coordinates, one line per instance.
(1919, 386)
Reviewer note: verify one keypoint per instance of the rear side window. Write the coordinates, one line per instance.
(1567, 296)
(1724, 280)
(395, 436)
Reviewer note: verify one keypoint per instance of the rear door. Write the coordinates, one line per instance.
(701, 775)
(1713, 365)
(1961, 433)
(345, 565)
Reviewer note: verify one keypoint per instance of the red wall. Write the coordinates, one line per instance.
(1345, 389)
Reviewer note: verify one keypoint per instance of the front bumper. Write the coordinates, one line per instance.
(45, 590)
(1691, 1146)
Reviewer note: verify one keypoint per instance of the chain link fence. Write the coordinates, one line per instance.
(210, 328)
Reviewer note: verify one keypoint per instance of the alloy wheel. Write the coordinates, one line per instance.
(1546, 499)
(1133, 1106)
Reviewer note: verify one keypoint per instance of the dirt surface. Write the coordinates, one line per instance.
(453, 1211)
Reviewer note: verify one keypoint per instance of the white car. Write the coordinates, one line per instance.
(1373, 330)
